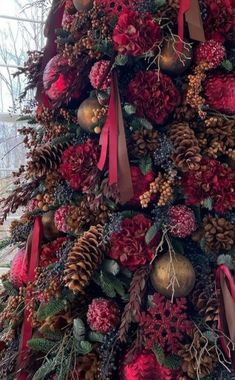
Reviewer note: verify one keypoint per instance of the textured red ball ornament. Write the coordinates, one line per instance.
(57, 84)
(18, 272)
(211, 51)
(103, 315)
(220, 93)
(83, 5)
(182, 221)
(145, 366)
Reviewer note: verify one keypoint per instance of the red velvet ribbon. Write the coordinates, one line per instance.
(226, 286)
(33, 252)
(53, 22)
(184, 7)
(113, 139)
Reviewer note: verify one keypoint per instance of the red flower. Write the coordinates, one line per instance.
(135, 33)
(165, 323)
(220, 92)
(220, 19)
(78, 165)
(140, 184)
(213, 180)
(103, 315)
(154, 95)
(128, 247)
(144, 365)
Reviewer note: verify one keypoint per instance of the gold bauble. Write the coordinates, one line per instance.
(170, 62)
(50, 232)
(85, 115)
(83, 5)
(162, 273)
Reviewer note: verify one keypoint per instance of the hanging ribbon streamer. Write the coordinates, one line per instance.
(190, 9)
(32, 257)
(226, 286)
(53, 22)
(113, 139)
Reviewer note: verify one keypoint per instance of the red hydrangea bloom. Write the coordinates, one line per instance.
(103, 315)
(182, 221)
(135, 33)
(211, 51)
(78, 165)
(154, 95)
(97, 73)
(128, 246)
(140, 184)
(48, 254)
(212, 180)
(220, 19)
(165, 323)
(144, 365)
(219, 92)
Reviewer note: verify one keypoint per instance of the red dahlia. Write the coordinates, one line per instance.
(78, 165)
(128, 247)
(220, 92)
(135, 33)
(154, 95)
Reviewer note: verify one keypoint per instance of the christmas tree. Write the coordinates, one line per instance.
(125, 259)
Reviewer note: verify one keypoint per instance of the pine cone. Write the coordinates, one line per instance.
(205, 301)
(143, 142)
(91, 210)
(84, 258)
(56, 322)
(45, 158)
(184, 113)
(218, 233)
(186, 154)
(198, 362)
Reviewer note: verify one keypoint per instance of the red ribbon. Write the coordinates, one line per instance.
(33, 253)
(184, 7)
(113, 138)
(226, 285)
(53, 22)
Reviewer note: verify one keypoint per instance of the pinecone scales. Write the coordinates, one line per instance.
(207, 305)
(84, 258)
(218, 233)
(143, 141)
(45, 158)
(186, 154)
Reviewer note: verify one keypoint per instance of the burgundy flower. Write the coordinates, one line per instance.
(78, 165)
(128, 246)
(154, 95)
(212, 180)
(103, 315)
(135, 33)
(220, 92)
(140, 184)
(220, 19)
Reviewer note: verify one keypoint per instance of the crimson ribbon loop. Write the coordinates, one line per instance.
(226, 286)
(33, 252)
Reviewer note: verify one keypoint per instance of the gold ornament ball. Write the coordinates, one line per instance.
(50, 232)
(170, 62)
(162, 273)
(85, 115)
(83, 5)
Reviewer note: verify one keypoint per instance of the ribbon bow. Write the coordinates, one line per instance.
(113, 138)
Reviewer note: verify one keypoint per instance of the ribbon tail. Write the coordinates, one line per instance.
(184, 7)
(226, 285)
(26, 334)
(194, 20)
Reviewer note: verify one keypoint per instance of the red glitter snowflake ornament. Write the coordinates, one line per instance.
(114, 8)
(165, 323)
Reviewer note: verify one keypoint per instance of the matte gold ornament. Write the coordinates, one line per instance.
(83, 5)
(85, 116)
(164, 270)
(172, 62)
(50, 232)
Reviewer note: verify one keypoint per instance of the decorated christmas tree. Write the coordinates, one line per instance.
(125, 261)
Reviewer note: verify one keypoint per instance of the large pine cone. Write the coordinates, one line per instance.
(186, 154)
(218, 233)
(83, 260)
(91, 210)
(45, 158)
(198, 362)
(206, 303)
(184, 113)
(143, 141)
